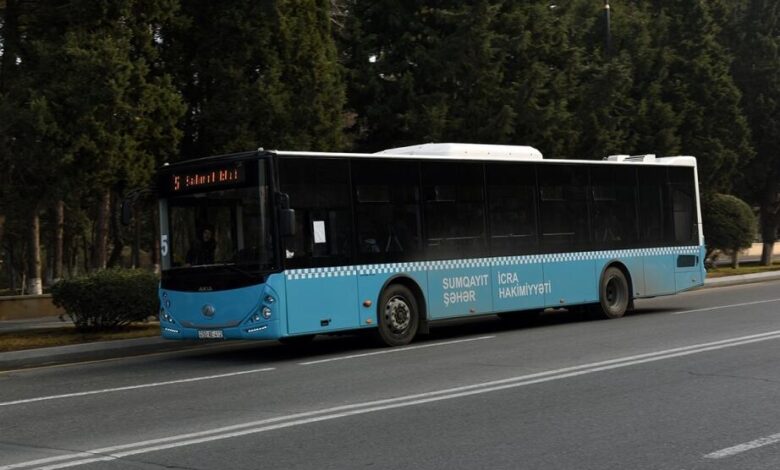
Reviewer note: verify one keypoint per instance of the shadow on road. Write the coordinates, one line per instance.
(266, 353)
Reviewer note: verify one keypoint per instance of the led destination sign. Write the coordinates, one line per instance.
(207, 178)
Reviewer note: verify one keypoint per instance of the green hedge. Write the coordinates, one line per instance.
(729, 223)
(108, 299)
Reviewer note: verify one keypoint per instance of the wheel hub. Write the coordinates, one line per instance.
(397, 314)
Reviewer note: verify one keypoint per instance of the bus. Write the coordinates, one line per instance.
(287, 245)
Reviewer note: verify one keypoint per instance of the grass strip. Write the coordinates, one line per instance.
(65, 335)
(722, 271)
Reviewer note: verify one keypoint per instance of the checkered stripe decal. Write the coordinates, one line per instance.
(340, 271)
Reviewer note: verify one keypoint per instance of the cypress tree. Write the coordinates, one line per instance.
(256, 74)
(428, 71)
(701, 91)
(755, 40)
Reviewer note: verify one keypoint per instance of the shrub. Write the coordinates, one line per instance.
(108, 299)
(729, 224)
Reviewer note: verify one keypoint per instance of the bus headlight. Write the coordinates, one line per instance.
(164, 316)
(266, 312)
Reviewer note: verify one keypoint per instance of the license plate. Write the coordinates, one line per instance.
(210, 334)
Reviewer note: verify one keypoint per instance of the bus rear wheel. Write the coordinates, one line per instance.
(614, 296)
(399, 316)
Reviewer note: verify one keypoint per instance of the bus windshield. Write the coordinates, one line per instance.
(221, 227)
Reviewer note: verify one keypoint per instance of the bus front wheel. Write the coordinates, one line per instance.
(614, 295)
(398, 316)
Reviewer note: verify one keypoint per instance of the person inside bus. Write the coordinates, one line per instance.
(202, 251)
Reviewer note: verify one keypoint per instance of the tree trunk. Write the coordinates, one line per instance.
(767, 250)
(155, 255)
(59, 239)
(769, 220)
(119, 242)
(735, 258)
(99, 250)
(136, 251)
(34, 256)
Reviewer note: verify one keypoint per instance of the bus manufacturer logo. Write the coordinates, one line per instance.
(208, 310)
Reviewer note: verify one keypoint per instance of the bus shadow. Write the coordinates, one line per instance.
(361, 342)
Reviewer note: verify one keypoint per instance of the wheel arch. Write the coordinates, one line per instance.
(407, 281)
(616, 263)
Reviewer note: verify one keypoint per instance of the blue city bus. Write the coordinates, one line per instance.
(289, 245)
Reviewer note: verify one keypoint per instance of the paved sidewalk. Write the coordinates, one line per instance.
(134, 347)
(741, 279)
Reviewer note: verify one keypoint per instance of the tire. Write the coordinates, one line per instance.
(614, 295)
(398, 316)
(302, 340)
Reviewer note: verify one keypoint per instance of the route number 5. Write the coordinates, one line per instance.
(164, 245)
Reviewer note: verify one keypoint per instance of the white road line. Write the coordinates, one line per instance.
(738, 449)
(134, 387)
(719, 307)
(143, 447)
(395, 350)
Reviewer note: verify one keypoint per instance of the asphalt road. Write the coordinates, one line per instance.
(684, 382)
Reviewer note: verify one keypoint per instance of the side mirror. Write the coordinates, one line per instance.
(127, 212)
(287, 220)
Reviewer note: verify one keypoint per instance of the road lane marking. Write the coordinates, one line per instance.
(719, 307)
(134, 387)
(738, 449)
(395, 350)
(303, 418)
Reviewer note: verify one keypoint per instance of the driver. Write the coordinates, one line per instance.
(202, 251)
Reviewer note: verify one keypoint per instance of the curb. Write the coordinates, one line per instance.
(101, 350)
(95, 351)
(741, 279)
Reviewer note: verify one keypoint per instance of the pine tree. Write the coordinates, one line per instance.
(755, 39)
(701, 90)
(256, 74)
(90, 111)
(428, 71)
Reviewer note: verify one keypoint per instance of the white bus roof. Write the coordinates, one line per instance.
(448, 151)
(511, 152)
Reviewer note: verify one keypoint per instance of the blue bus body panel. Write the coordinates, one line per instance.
(371, 281)
(234, 311)
(325, 300)
(570, 281)
(687, 277)
(322, 300)
(458, 288)
(518, 284)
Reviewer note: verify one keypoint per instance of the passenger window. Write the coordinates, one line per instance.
(511, 190)
(563, 207)
(387, 206)
(319, 194)
(683, 205)
(613, 218)
(454, 209)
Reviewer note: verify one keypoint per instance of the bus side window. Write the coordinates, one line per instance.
(510, 190)
(683, 206)
(319, 193)
(654, 205)
(613, 218)
(454, 209)
(563, 207)
(387, 210)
